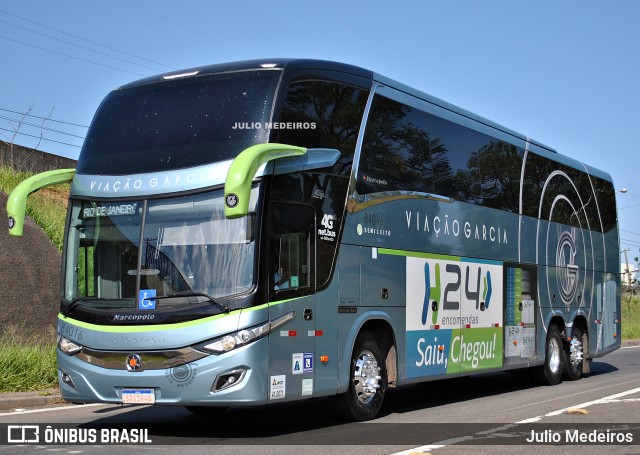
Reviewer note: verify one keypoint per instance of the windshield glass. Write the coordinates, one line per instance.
(120, 253)
(179, 123)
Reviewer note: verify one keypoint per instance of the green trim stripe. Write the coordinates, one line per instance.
(161, 327)
(390, 252)
(416, 254)
(139, 328)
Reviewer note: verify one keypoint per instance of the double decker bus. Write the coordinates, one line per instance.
(270, 231)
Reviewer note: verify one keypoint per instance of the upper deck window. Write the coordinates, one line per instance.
(180, 123)
(330, 113)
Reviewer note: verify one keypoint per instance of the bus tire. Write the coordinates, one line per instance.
(367, 381)
(551, 372)
(574, 354)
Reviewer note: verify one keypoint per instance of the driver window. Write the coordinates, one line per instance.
(291, 258)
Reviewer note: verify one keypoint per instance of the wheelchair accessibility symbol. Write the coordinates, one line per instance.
(144, 301)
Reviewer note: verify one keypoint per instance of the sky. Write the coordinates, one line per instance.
(564, 73)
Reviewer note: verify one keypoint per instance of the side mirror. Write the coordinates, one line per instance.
(17, 202)
(286, 159)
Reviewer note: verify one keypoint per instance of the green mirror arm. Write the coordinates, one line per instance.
(237, 187)
(17, 202)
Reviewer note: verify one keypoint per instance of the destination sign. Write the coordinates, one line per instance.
(110, 210)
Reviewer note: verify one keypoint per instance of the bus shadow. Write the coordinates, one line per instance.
(303, 421)
(456, 390)
(290, 423)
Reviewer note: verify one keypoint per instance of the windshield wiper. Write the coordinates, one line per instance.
(77, 301)
(222, 306)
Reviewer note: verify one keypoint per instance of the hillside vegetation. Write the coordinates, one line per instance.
(30, 288)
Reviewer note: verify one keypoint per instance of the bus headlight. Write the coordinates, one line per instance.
(68, 346)
(227, 343)
(243, 337)
(234, 340)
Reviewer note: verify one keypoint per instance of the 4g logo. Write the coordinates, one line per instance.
(327, 232)
(327, 221)
(458, 277)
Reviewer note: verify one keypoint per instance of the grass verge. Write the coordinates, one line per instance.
(27, 362)
(630, 317)
(47, 207)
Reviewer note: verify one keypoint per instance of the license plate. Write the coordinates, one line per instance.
(138, 396)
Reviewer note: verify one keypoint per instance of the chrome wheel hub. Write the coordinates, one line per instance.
(575, 352)
(366, 377)
(554, 355)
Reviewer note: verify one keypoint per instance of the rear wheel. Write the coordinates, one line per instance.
(367, 381)
(551, 372)
(573, 357)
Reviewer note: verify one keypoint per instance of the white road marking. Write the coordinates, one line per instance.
(583, 405)
(609, 399)
(18, 412)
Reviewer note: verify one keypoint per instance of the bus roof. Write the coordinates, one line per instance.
(299, 64)
(289, 64)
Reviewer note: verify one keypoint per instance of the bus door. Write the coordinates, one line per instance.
(292, 291)
(606, 312)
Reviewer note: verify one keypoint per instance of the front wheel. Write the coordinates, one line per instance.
(551, 372)
(367, 381)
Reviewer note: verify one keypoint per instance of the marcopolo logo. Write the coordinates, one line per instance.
(133, 317)
(133, 362)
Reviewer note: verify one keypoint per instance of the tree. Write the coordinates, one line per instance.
(16, 126)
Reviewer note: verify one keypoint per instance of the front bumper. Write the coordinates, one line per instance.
(187, 384)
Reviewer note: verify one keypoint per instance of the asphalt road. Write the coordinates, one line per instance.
(491, 413)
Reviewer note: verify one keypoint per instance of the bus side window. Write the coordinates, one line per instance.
(291, 268)
(291, 251)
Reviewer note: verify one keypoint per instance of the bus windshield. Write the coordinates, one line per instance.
(121, 254)
(177, 124)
